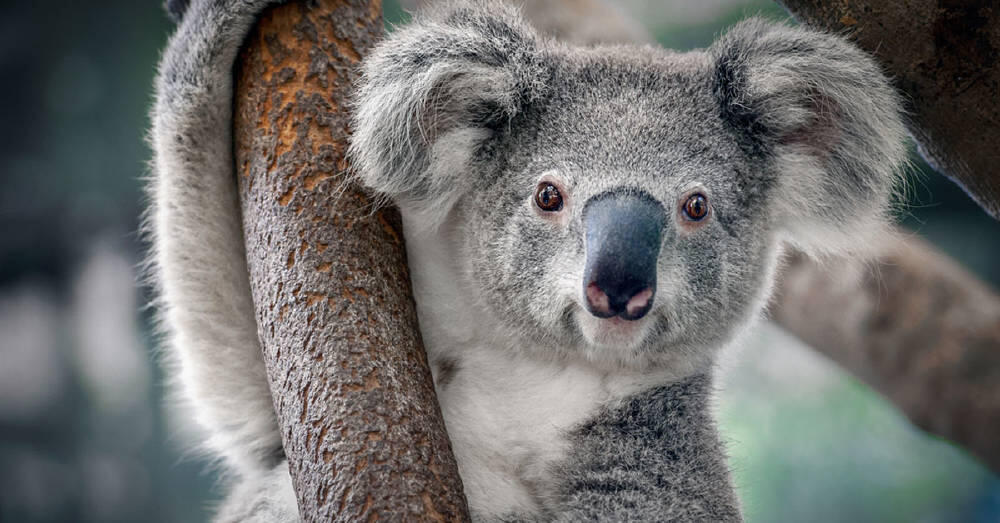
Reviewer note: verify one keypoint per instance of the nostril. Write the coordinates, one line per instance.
(598, 301)
(638, 305)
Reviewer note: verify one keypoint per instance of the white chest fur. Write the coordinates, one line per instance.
(507, 413)
(507, 418)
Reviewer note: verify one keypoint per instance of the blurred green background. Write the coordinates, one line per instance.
(84, 435)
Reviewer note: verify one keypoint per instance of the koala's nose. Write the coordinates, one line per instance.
(622, 244)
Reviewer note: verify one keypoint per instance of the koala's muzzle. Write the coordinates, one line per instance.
(622, 232)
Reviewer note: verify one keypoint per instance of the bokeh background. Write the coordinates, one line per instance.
(84, 435)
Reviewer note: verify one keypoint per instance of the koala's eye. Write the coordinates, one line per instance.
(547, 197)
(696, 207)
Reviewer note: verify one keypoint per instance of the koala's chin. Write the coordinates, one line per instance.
(614, 334)
(617, 344)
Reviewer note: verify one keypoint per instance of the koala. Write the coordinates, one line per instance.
(587, 228)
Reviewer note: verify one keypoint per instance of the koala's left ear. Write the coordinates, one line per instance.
(828, 119)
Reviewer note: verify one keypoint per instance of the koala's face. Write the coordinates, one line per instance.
(619, 217)
(626, 203)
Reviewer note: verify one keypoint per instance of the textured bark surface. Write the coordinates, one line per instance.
(915, 326)
(945, 56)
(360, 422)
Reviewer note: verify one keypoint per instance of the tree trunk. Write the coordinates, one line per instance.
(945, 56)
(352, 388)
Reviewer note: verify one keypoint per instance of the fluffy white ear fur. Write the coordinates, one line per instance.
(421, 118)
(831, 121)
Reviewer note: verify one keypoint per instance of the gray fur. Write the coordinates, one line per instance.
(826, 115)
(655, 457)
(444, 81)
(197, 261)
(266, 497)
(794, 135)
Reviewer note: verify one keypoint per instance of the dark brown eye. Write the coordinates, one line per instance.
(547, 197)
(696, 207)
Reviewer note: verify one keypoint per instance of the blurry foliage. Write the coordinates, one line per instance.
(77, 91)
(808, 442)
(676, 34)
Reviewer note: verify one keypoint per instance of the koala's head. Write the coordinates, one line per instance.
(627, 203)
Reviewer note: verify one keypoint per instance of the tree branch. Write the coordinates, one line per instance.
(352, 389)
(915, 326)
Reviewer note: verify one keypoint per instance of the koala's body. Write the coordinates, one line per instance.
(586, 227)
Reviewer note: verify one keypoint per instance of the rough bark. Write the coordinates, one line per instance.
(945, 56)
(915, 326)
(360, 421)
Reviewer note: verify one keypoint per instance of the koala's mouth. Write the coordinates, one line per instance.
(619, 323)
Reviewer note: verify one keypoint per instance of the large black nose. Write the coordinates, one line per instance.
(623, 233)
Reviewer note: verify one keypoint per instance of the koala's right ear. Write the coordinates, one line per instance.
(435, 93)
